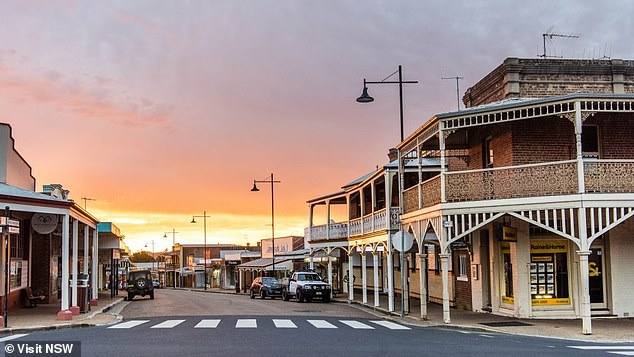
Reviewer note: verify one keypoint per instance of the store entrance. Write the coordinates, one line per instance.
(596, 264)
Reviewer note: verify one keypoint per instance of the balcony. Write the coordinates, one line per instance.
(375, 222)
(535, 180)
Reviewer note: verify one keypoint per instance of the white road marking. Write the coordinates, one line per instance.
(168, 324)
(13, 337)
(603, 347)
(622, 353)
(284, 323)
(487, 336)
(321, 324)
(129, 324)
(389, 324)
(356, 325)
(246, 323)
(207, 324)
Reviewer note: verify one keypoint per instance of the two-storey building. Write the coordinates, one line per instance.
(536, 183)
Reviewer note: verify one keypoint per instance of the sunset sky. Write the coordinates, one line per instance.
(160, 110)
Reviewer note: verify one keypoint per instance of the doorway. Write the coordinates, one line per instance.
(596, 276)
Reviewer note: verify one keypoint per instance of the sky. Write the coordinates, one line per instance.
(161, 110)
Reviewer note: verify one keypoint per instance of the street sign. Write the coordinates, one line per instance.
(447, 224)
(12, 230)
(11, 222)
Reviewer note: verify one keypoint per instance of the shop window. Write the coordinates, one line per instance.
(508, 274)
(549, 272)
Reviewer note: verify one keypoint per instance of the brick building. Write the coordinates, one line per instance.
(536, 186)
(528, 212)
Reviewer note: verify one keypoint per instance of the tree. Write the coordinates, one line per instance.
(142, 257)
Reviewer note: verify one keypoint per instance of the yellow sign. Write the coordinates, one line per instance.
(505, 247)
(508, 300)
(594, 269)
(542, 258)
(549, 246)
(541, 302)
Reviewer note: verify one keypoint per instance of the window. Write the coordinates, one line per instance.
(590, 141)
(487, 153)
(463, 267)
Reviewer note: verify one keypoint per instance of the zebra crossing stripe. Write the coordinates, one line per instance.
(613, 348)
(246, 323)
(622, 353)
(389, 324)
(168, 324)
(208, 323)
(284, 323)
(321, 324)
(357, 324)
(129, 324)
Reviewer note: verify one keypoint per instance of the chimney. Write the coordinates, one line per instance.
(392, 154)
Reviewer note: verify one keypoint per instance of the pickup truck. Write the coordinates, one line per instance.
(305, 286)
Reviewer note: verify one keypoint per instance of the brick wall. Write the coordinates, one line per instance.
(540, 78)
(615, 135)
(463, 288)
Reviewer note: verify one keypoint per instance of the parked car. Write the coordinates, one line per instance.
(140, 283)
(305, 285)
(265, 286)
(156, 283)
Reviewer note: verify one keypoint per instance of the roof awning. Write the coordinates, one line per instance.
(267, 264)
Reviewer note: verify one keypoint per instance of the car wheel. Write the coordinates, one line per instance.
(284, 295)
(262, 294)
(300, 297)
(140, 284)
(130, 297)
(252, 294)
(152, 295)
(309, 299)
(326, 298)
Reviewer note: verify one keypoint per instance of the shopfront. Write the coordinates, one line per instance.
(549, 272)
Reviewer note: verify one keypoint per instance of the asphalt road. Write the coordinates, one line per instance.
(187, 323)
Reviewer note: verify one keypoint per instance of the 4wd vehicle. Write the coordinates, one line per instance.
(140, 283)
(305, 285)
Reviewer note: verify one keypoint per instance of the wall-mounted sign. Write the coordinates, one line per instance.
(116, 254)
(44, 223)
(506, 233)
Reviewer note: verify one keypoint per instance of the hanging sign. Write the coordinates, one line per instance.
(44, 223)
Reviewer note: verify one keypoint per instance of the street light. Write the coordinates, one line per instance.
(153, 255)
(366, 98)
(255, 189)
(173, 244)
(204, 217)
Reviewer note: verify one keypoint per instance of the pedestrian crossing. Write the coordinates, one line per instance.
(610, 349)
(251, 323)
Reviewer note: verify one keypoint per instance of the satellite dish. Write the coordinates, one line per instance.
(402, 241)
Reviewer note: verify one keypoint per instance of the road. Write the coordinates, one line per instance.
(188, 323)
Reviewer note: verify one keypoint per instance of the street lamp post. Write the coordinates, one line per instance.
(365, 98)
(153, 256)
(255, 189)
(173, 244)
(204, 217)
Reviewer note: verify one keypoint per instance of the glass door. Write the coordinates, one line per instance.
(596, 267)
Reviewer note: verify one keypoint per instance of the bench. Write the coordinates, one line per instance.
(33, 300)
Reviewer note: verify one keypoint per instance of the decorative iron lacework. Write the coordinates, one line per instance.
(538, 110)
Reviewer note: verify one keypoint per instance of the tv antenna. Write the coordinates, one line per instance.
(457, 78)
(87, 199)
(549, 35)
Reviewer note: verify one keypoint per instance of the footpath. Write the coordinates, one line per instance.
(604, 329)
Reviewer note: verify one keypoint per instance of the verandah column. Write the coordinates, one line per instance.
(350, 277)
(64, 313)
(74, 262)
(390, 280)
(375, 258)
(364, 277)
(94, 279)
(423, 283)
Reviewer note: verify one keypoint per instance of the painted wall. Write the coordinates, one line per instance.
(621, 251)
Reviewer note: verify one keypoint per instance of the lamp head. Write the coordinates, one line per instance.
(255, 188)
(365, 97)
(164, 235)
(193, 220)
